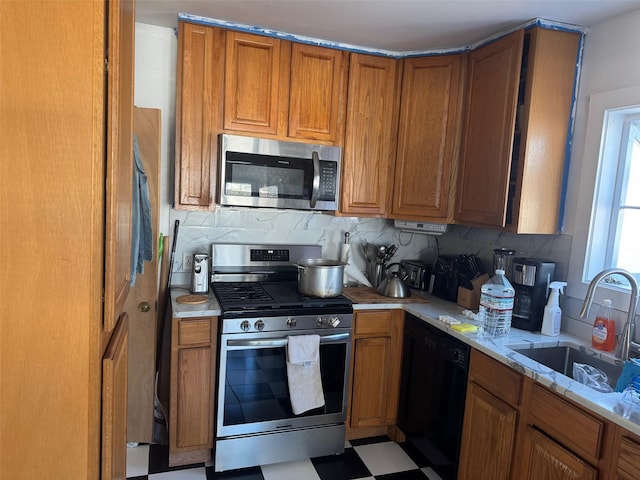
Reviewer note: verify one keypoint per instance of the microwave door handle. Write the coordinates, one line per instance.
(316, 179)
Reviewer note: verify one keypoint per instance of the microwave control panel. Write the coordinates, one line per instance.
(328, 181)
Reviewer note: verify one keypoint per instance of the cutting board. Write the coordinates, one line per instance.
(369, 295)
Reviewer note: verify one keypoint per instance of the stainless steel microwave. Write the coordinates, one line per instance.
(257, 172)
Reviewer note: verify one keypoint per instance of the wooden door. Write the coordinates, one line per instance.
(317, 93)
(488, 130)
(488, 436)
(198, 114)
(371, 132)
(142, 302)
(544, 459)
(427, 136)
(114, 404)
(256, 83)
(120, 54)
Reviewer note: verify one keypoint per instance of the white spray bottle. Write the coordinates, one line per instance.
(552, 313)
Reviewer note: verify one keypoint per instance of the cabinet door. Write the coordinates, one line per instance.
(371, 382)
(114, 403)
(317, 93)
(488, 436)
(542, 458)
(543, 126)
(256, 83)
(194, 380)
(192, 389)
(487, 141)
(371, 132)
(626, 461)
(376, 368)
(426, 137)
(199, 83)
(119, 159)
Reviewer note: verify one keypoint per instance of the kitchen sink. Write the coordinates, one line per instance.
(562, 358)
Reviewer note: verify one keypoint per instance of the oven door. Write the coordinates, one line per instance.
(253, 394)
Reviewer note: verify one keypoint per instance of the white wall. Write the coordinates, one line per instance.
(610, 63)
(155, 87)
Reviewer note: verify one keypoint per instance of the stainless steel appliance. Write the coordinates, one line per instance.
(256, 286)
(200, 273)
(418, 273)
(531, 279)
(432, 394)
(256, 172)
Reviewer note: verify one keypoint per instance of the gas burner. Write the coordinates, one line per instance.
(241, 292)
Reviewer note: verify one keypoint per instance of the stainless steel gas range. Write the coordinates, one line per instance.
(256, 286)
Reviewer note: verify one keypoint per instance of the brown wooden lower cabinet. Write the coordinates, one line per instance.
(517, 429)
(375, 372)
(544, 459)
(192, 389)
(489, 423)
(625, 456)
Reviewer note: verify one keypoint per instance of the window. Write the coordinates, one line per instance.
(615, 217)
(622, 247)
(606, 230)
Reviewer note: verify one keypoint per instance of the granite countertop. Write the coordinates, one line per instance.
(608, 405)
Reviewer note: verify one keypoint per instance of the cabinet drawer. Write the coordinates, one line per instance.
(196, 331)
(575, 429)
(499, 379)
(375, 322)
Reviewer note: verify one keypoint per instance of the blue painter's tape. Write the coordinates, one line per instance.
(372, 51)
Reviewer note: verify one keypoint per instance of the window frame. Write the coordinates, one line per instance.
(596, 192)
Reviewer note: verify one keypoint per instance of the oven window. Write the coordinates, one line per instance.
(256, 387)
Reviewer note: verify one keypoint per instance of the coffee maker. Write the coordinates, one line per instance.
(531, 279)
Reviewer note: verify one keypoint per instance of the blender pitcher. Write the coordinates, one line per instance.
(503, 260)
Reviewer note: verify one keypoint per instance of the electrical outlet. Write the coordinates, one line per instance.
(187, 262)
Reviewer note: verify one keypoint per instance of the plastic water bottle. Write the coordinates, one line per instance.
(496, 306)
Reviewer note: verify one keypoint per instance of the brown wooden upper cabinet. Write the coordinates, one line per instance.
(254, 85)
(287, 90)
(371, 132)
(516, 119)
(317, 99)
(198, 114)
(427, 138)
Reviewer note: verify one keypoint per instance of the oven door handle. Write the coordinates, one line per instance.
(282, 342)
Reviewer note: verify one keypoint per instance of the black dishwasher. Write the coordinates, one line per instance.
(432, 394)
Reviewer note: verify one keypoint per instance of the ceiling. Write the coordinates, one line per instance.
(388, 25)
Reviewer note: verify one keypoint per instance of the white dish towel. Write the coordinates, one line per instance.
(303, 373)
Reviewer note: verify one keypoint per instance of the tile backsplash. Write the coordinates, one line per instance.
(198, 230)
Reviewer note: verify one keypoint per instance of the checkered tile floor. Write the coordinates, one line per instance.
(373, 458)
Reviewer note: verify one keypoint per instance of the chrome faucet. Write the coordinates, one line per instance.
(628, 331)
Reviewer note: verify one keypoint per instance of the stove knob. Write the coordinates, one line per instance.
(291, 322)
(259, 325)
(245, 326)
(334, 322)
(321, 322)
